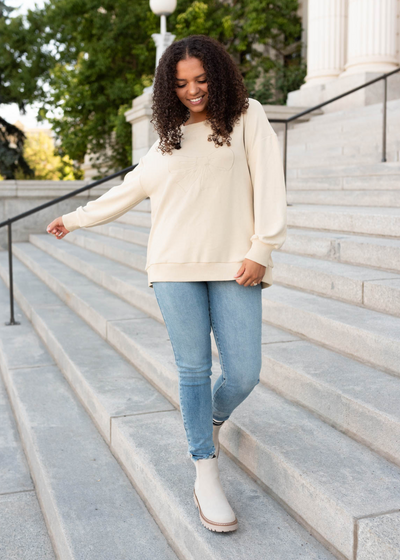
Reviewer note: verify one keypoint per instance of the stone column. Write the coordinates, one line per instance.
(372, 36)
(143, 132)
(326, 48)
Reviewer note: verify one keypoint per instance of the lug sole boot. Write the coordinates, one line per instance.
(215, 512)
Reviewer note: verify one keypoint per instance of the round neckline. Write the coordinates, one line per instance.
(184, 126)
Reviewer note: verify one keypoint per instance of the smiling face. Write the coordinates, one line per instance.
(191, 84)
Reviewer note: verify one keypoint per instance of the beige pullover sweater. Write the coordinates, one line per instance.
(211, 207)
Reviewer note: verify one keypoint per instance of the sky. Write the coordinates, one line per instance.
(11, 112)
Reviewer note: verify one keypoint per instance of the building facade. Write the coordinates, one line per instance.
(347, 43)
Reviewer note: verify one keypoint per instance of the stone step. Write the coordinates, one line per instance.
(374, 289)
(151, 449)
(377, 535)
(88, 501)
(353, 115)
(343, 143)
(323, 390)
(23, 532)
(295, 195)
(138, 236)
(353, 120)
(133, 219)
(356, 142)
(347, 155)
(376, 545)
(368, 336)
(378, 290)
(378, 170)
(375, 252)
(161, 475)
(351, 219)
(366, 287)
(365, 185)
(119, 279)
(368, 130)
(319, 140)
(117, 243)
(371, 127)
(327, 480)
(364, 334)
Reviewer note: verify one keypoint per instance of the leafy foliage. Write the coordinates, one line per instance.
(85, 60)
(19, 70)
(42, 156)
(11, 151)
(104, 57)
(23, 59)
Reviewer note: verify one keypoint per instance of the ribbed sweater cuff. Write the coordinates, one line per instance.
(260, 252)
(70, 221)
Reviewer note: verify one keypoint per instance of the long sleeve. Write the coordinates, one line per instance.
(111, 205)
(269, 194)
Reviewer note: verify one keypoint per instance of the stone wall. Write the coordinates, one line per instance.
(20, 196)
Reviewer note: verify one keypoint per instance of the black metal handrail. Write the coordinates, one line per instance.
(306, 111)
(10, 221)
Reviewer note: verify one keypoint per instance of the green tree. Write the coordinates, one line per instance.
(11, 151)
(42, 157)
(14, 88)
(263, 36)
(102, 56)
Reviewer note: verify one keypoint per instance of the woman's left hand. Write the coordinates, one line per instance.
(250, 272)
(57, 228)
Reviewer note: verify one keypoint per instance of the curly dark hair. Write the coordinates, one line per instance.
(227, 94)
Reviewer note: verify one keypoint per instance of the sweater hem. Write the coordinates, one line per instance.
(199, 272)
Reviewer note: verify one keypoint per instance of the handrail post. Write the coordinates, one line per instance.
(10, 274)
(384, 119)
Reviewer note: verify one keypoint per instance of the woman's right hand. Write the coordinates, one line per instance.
(57, 228)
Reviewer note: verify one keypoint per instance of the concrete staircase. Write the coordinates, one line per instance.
(90, 507)
(23, 532)
(77, 378)
(335, 159)
(310, 460)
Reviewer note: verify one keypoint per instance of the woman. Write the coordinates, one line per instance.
(218, 208)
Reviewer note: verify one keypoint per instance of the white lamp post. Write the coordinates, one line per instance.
(163, 40)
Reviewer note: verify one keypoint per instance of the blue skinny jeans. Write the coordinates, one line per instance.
(234, 312)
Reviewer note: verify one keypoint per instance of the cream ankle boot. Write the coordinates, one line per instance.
(215, 512)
